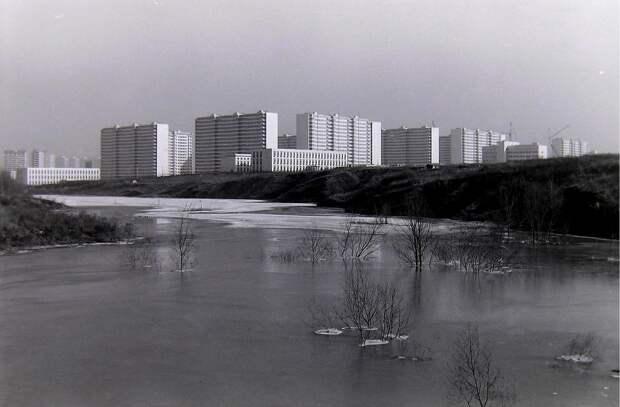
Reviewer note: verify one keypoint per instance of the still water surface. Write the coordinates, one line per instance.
(77, 328)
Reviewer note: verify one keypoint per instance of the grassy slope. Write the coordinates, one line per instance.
(589, 186)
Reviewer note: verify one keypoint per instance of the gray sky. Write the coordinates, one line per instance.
(69, 68)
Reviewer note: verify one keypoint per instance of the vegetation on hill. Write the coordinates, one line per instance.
(28, 221)
(565, 195)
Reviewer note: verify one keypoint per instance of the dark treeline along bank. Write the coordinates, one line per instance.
(28, 221)
(563, 195)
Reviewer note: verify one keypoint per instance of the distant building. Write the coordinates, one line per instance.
(562, 147)
(14, 160)
(410, 146)
(44, 176)
(287, 141)
(62, 162)
(496, 153)
(521, 152)
(466, 144)
(218, 138)
(38, 159)
(359, 138)
(295, 160)
(444, 150)
(75, 162)
(238, 162)
(181, 150)
(50, 160)
(138, 150)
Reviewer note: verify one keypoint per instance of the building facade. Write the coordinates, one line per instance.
(410, 146)
(38, 159)
(444, 150)
(296, 160)
(287, 141)
(496, 153)
(218, 138)
(15, 159)
(238, 162)
(562, 147)
(135, 151)
(466, 144)
(359, 138)
(62, 162)
(521, 152)
(181, 151)
(44, 176)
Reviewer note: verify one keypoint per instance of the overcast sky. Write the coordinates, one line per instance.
(69, 68)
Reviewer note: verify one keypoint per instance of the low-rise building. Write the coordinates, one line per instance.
(521, 152)
(238, 162)
(496, 153)
(44, 176)
(294, 160)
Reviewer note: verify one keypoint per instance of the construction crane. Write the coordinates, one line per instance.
(555, 153)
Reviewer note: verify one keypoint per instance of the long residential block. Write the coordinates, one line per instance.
(410, 146)
(296, 160)
(44, 176)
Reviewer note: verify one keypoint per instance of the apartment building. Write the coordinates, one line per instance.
(444, 150)
(358, 137)
(14, 159)
(562, 147)
(410, 146)
(287, 141)
(521, 152)
(219, 137)
(38, 159)
(181, 151)
(62, 162)
(238, 162)
(466, 144)
(295, 160)
(496, 153)
(44, 176)
(138, 150)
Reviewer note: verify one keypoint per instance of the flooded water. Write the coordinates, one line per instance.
(80, 328)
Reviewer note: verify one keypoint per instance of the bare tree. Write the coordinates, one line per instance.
(473, 378)
(393, 315)
(413, 239)
(360, 238)
(183, 242)
(315, 247)
(541, 205)
(141, 254)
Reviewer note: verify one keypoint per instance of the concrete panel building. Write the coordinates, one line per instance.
(359, 138)
(521, 152)
(181, 151)
(497, 152)
(218, 138)
(410, 146)
(239, 162)
(466, 144)
(138, 150)
(295, 160)
(287, 141)
(562, 147)
(14, 159)
(44, 176)
(444, 150)
(62, 162)
(38, 159)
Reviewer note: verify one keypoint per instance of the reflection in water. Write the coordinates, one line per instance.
(78, 329)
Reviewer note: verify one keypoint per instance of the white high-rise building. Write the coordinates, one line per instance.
(359, 138)
(50, 160)
(410, 146)
(497, 152)
(38, 159)
(15, 159)
(135, 151)
(466, 144)
(521, 152)
(218, 138)
(181, 150)
(562, 147)
(287, 141)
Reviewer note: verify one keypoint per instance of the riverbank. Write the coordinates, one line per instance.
(26, 222)
(580, 193)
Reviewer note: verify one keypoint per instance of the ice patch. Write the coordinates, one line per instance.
(328, 331)
(576, 358)
(374, 342)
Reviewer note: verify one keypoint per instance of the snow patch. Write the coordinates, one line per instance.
(328, 331)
